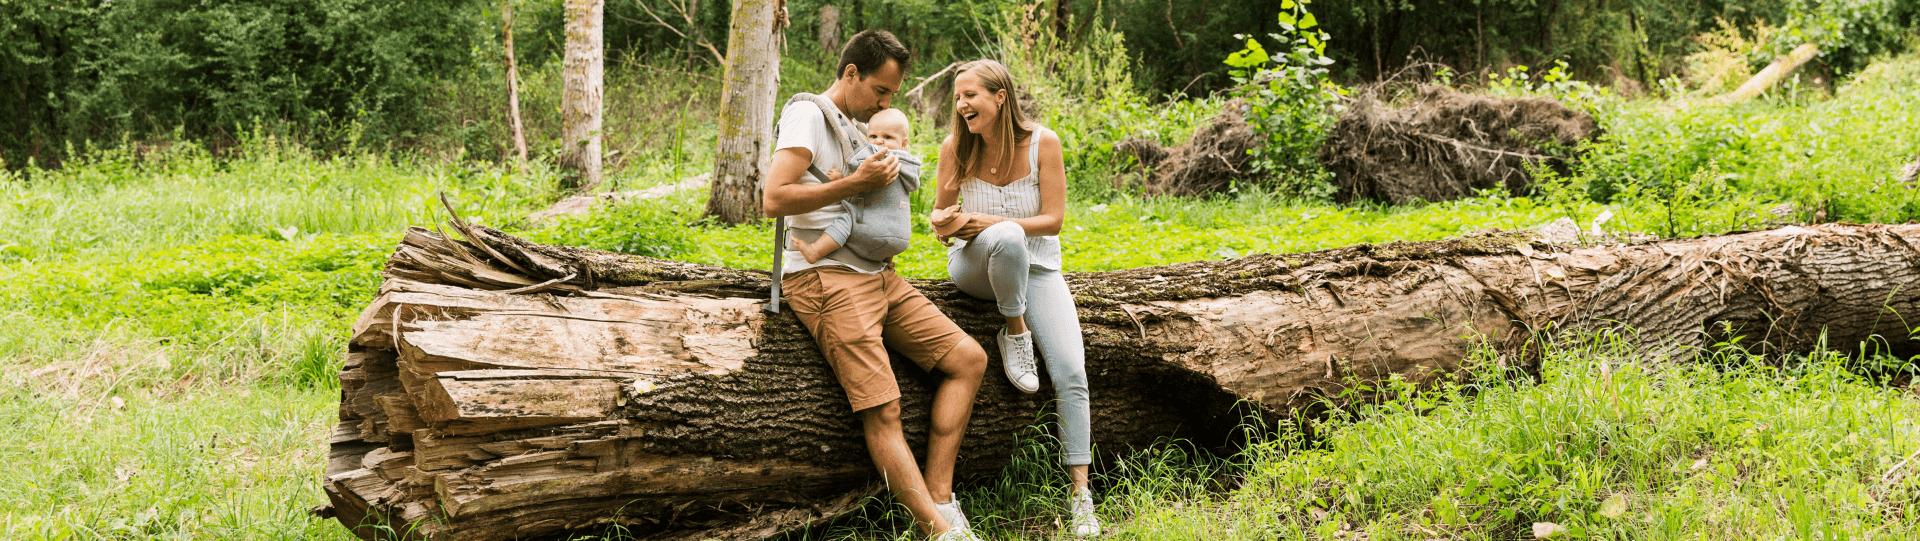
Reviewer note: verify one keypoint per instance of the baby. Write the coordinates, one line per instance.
(887, 130)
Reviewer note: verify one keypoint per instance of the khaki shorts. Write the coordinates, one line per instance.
(857, 317)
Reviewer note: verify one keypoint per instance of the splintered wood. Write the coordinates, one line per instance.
(499, 389)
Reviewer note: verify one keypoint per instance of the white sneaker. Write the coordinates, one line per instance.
(956, 519)
(956, 534)
(1016, 354)
(1084, 523)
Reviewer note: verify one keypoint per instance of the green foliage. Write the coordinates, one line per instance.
(1557, 83)
(90, 73)
(1605, 445)
(665, 228)
(1084, 91)
(1849, 32)
(1288, 101)
(113, 200)
(1836, 158)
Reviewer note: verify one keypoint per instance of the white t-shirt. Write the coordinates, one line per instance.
(802, 126)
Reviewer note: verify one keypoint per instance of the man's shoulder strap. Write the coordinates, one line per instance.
(838, 126)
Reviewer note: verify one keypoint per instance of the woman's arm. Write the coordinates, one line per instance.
(946, 187)
(1053, 196)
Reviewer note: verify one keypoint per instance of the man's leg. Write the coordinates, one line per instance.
(920, 332)
(888, 446)
(961, 371)
(847, 312)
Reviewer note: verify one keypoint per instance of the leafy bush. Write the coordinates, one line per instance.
(87, 73)
(1849, 32)
(1289, 101)
(1834, 160)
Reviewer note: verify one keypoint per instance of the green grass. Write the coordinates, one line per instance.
(1607, 444)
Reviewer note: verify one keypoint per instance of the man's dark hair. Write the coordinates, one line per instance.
(870, 49)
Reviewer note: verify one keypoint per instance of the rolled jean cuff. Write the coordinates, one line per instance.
(1076, 459)
(1012, 309)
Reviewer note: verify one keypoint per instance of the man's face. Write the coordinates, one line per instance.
(874, 93)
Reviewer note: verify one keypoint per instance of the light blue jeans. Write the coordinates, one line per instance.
(994, 267)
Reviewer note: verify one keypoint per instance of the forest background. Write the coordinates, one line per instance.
(199, 197)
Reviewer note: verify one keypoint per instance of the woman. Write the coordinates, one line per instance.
(1010, 181)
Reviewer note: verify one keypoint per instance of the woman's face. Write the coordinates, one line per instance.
(975, 104)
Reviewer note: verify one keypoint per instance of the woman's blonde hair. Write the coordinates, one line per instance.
(1012, 119)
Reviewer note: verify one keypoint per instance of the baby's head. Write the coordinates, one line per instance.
(888, 129)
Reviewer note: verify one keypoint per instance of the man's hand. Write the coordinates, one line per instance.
(878, 170)
(785, 195)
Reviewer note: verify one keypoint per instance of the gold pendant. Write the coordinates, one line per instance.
(993, 170)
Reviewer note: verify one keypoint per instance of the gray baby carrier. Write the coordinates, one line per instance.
(880, 223)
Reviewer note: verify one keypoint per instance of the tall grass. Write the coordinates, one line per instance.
(1607, 444)
(115, 201)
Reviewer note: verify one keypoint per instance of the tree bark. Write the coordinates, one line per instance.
(500, 389)
(513, 88)
(583, 79)
(747, 110)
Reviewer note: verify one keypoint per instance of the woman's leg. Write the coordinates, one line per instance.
(1056, 333)
(994, 266)
(1056, 330)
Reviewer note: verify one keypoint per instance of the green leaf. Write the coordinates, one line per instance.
(1308, 22)
(1254, 55)
(1286, 4)
(1286, 19)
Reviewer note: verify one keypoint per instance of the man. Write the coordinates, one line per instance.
(857, 308)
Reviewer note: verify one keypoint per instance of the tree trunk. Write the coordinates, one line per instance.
(513, 89)
(499, 389)
(830, 31)
(745, 149)
(1771, 75)
(582, 80)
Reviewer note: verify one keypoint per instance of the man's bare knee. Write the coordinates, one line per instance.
(966, 361)
(882, 417)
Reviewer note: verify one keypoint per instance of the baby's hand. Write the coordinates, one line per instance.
(834, 174)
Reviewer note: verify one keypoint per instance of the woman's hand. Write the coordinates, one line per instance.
(976, 222)
(945, 221)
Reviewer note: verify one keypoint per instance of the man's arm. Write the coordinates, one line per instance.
(786, 196)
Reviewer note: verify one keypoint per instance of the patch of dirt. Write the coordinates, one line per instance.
(1448, 145)
(1208, 163)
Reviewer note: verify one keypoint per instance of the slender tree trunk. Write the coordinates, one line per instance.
(513, 89)
(582, 82)
(747, 110)
(1480, 33)
(830, 31)
(499, 389)
(696, 30)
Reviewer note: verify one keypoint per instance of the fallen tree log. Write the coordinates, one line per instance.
(501, 389)
(1776, 71)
